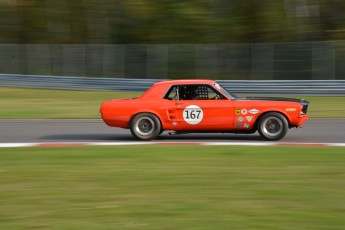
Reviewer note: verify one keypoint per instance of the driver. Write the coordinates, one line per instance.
(193, 93)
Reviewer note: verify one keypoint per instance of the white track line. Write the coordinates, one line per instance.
(338, 144)
(239, 143)
(118, 143)
(14, 145)
(65, 144)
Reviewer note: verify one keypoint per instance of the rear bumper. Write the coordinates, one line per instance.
(121, 122)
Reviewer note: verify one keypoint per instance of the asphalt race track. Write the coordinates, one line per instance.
(94, 130)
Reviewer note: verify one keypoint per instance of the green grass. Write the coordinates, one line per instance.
(156, 187)
(39, 103)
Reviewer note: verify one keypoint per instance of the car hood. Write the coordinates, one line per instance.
(303, 102)
(271, 99)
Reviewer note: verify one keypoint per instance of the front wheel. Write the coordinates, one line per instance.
(272, 126)
(145, 126)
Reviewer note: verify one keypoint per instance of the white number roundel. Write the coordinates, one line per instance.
(193, 114)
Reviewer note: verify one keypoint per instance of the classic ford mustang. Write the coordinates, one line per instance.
(189, 106)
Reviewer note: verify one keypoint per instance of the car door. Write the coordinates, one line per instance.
(202, 107)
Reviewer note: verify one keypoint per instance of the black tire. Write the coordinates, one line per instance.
(145, 126)
(272, 126)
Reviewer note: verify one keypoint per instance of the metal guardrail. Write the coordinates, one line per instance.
(302, 87)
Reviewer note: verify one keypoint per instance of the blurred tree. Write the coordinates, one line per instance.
(9, 22)
(170, 21)
(332, 19)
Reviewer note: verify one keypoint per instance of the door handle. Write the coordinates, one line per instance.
(179, 103)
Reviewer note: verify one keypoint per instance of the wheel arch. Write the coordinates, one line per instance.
(151, 112)
(271, 111)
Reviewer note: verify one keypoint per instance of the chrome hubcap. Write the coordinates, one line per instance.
(145, 126)
(272, 126)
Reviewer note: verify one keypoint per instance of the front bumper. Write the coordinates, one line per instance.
(301, 120)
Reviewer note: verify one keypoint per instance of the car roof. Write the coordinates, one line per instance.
(185, 81)
(160, 88)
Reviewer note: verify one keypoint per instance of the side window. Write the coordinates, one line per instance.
(205, 92)
(214, 95)
(188, 92)
(202, 92)
(172, 94)
(193, 92)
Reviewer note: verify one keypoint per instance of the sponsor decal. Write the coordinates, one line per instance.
(244, 111)
(249, 118)
(254, 111)
(174, 123)
(238, 112)
(238, 125)
(290, 109)
(240, 119)
(193, 114)
(246, 125)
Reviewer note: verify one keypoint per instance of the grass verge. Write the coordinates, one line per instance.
(40, 103)
(155, 187)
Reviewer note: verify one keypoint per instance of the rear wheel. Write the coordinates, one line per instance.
(272, 126)
(145, 126)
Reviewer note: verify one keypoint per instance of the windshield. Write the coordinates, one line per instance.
(222, 89)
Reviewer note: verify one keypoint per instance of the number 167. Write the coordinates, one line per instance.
(192, 114)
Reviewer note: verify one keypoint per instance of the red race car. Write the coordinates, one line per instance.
(190, 106)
